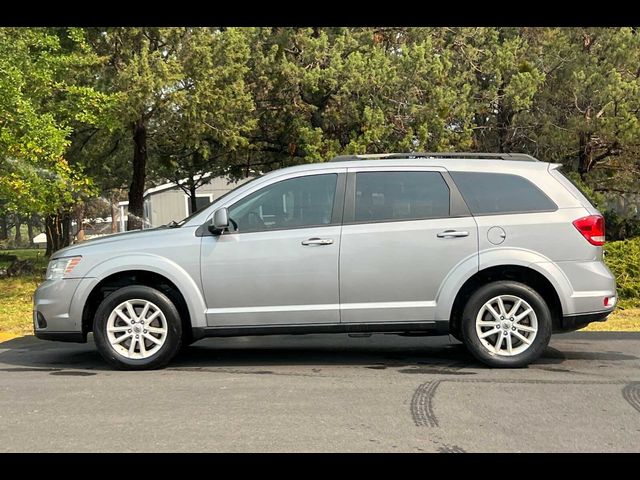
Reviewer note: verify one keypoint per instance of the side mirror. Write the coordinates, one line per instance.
(220, 221)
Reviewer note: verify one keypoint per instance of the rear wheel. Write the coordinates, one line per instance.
(137, 328)
(506, 324)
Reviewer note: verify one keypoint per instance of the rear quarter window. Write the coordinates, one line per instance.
(495, 193)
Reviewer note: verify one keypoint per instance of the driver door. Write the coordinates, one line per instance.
(279, 263)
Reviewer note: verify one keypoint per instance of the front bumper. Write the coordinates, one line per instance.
(75, 337)
(51, 307)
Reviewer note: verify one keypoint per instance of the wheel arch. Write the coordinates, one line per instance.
(149, 270)
(529, 275)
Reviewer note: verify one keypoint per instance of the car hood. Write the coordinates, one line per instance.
(131, 236)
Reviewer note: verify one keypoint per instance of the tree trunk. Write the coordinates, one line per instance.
(503, 120)
(48, 231)
(114, 212)
(53, 233)
(30, 230)
(584, 155)
(192, 196)
(18, 238)
(4, 231)
(58, 231)
(66, 230)
(136, 189)
(80, 222)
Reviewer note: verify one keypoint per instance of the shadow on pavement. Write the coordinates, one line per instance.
(414, 354)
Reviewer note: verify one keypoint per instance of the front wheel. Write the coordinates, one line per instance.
(506, 324)
(137, 328)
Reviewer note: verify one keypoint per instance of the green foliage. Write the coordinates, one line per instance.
(623, 258)
(209, 115)
(323, 92)
(40, 103)
(232, 100)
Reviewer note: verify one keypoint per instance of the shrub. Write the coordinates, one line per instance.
(623, 258)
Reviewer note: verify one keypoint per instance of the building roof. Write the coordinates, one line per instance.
(166, 186)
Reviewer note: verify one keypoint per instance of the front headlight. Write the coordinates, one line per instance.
(60, 267)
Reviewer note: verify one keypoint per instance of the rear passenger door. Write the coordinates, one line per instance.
(404, 230)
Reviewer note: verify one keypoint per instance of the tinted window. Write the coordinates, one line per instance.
(490, 193)
(297, 202)
(384, 196)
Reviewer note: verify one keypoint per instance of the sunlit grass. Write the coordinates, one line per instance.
(627, 320)
(16, 299)
(35, 254)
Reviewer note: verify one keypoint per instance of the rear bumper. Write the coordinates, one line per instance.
(590, 283)
(575, 322)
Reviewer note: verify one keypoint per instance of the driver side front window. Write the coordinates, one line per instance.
(293, 203)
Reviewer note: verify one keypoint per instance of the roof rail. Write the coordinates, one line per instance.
(466, 155)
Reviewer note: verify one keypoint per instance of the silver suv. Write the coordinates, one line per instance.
(498, 250)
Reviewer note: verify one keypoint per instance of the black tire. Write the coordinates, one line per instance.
(506, 287)
(165, 353)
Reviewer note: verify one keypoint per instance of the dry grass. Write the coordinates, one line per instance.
(16, 299)
(627, 320)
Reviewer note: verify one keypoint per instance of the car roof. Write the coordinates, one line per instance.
(449, 161)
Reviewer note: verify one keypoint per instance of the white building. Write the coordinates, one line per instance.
(169, 202)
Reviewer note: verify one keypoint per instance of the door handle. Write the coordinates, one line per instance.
(453, 234)
(318, 241)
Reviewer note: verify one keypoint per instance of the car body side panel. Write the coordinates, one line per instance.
(550, 234)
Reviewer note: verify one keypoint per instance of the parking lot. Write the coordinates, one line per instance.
(324, 393)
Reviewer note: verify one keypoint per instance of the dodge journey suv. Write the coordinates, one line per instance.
(497, 250)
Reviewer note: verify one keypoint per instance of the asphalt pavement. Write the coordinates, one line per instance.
(324, 393)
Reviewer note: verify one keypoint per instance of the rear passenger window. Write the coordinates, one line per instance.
(382, 196)
(493, 193)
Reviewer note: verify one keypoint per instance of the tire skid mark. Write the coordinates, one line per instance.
(631, 393)
(534, 381)
(422, 405)
(30, 369)
(422, 400)
(451, 449)
(234, 371)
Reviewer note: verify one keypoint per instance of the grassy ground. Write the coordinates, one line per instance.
(35, 254)
(16, 303)
(16, 295)
(15, 306)
(622, 320)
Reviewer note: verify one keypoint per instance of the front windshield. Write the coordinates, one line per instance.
(198, 211)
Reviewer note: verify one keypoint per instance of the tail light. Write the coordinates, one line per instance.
(591, 228)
